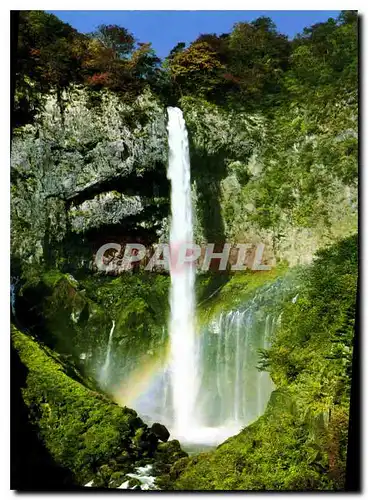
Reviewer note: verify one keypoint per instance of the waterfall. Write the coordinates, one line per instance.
(12, 298)
(106, 365)
(183, 366)
(233, 392)
(210, 387)
(13, 293)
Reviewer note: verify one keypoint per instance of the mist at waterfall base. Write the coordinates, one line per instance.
(231, 391)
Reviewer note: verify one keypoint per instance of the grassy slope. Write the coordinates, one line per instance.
(234, 290)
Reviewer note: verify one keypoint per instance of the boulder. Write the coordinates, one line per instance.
(160, 431)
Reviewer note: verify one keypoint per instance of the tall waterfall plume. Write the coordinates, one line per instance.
(183, 366)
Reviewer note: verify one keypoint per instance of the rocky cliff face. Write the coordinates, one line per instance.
(84, 165)
(288, 180)
(92, 169)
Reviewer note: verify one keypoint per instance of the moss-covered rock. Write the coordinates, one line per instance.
(75, 319)
(218, 293)
(83, 431)
(54, 307)
(166, 455)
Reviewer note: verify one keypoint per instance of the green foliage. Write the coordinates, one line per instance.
(167, 455)
(52, 55)
(253, 67)
(236, 290)
(258, 57)
(241, 69)
(81, 429)
(139, 304)
(324, 61)
(319, 327)
(75, 318)
(55, 310)
(195, 69)
(290, 178)
(46, 57)
(306, 164)
(273, 454)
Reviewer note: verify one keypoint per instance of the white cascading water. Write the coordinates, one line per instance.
(237, 392)
(106, 366)
(183, 365)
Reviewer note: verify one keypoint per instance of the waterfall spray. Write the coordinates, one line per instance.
(181, 329)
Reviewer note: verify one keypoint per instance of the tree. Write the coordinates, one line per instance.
(114, 61)
(258, 56)
(116, 38)
(45, 58)
(144, 63)
(219, 45)
(179, 47)
(324, 60)
(196, 69)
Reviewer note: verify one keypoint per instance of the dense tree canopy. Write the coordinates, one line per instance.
(324, 59)
(252, 67)
(51, 54)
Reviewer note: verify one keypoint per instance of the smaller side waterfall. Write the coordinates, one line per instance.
(106, 366)
(233, 391)
(13, 293)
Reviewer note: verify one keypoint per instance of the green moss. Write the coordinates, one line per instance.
(232, 292)
(81, 429)
(166, 455)
(272, 454)
(75, 319)
(139, 304)
(52, 277)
